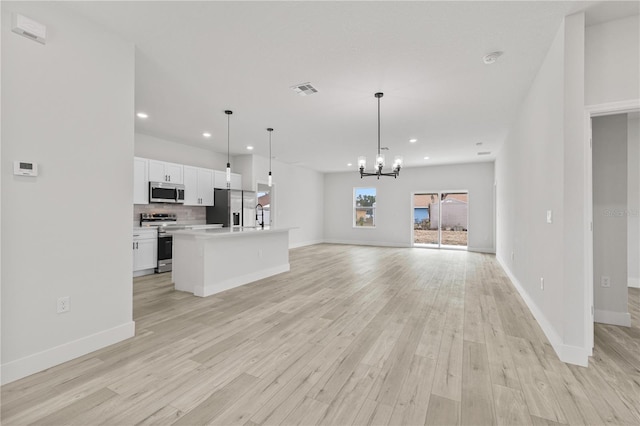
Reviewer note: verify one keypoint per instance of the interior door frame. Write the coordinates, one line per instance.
(592, 111)
(439, 193)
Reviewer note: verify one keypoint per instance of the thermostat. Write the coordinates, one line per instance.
(25, 168)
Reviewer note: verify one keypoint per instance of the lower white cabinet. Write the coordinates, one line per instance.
(145, 251)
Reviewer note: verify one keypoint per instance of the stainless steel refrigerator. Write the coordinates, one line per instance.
(232, 208)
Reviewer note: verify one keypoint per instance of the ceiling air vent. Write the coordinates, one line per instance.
(484, 153)
(304, 89)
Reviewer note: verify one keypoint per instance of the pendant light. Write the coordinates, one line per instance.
(228, 146)
(362, 161)
(270, 177)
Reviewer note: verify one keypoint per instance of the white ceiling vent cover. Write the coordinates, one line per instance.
(484, 153)
(29, 28)
(304, 89)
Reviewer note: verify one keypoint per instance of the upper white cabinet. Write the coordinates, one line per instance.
(221, 180)
(198, 186)
(199, 183)
(161, 171)
(140, 181)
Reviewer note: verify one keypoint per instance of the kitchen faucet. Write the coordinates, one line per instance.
(262, 211)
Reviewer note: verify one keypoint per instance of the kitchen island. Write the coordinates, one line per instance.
(208, 261)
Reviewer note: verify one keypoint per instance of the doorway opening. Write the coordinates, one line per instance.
(612, 212)
(440, 219)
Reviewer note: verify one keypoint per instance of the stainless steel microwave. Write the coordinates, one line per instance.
(163, 192)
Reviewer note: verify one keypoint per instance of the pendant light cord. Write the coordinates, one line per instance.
(378, 127)
(228, 136)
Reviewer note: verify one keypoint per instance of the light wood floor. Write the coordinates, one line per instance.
(352, 335)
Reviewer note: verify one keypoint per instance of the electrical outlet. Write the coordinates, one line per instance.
(63, 304)
(541, 283)
(549, 216)
(605, 281)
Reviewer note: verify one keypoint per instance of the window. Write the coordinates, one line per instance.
(364, 207)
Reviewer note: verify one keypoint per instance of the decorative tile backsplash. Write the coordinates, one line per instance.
(187, 215)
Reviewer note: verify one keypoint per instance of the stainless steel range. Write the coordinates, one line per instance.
(163, 222)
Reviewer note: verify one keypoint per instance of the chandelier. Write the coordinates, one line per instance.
(379, 165)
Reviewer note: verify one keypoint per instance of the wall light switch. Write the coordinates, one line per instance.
(549, 216)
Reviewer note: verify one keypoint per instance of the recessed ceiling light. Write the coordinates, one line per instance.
(142, 115)
(492, 57)
(206, 134)
(426, 158)
(349, 164)
(249, 147)
(413, 140)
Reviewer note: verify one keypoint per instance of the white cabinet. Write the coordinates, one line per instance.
(221, 180)
(145, 251)
(161, 171)
(198, 186)
(140, 180)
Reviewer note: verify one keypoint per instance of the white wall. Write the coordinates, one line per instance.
(394, 201)
(612, 61)
(575, 312)
(537, 170)
(529, 182)
(81, 135)
(297, 199)
(147, 146)
(610, 144)
(243, 164)
(633, 201)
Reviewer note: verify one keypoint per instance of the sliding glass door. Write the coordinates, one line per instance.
(441, 219)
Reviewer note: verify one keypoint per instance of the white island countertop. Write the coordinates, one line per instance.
(208, 261)
(226, 232)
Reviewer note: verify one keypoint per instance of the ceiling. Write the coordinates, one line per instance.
(196, 59)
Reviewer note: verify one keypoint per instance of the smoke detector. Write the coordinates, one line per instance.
(490, 58)
(304, 89)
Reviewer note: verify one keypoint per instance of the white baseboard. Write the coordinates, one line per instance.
(567, 353)
(242, 280)
(633, 282)
(481, 250)
(613, 318)
(144, 272)
(393, 244)
(34, 363)
(366, 243)
(305, 243)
